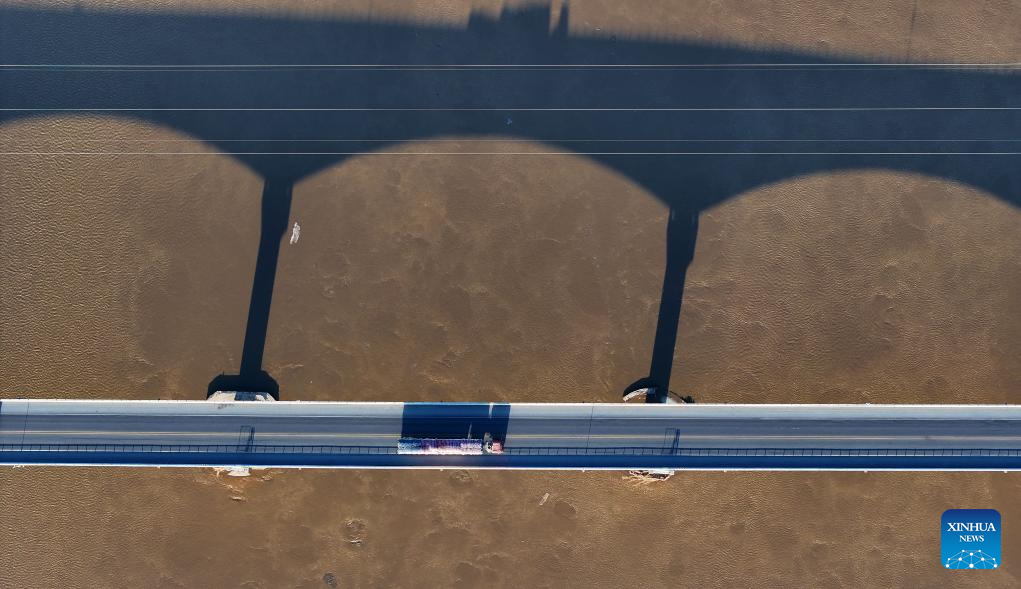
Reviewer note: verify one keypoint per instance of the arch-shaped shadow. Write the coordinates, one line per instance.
(137, 233)
(693, 135)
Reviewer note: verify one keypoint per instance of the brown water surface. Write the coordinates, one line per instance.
(517, 278)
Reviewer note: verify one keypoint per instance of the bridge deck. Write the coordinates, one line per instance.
(555, 436)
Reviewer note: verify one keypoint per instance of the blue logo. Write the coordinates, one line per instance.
(970, 539)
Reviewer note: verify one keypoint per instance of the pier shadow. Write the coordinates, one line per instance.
(687, 127)
(681, 235)
(276, 209)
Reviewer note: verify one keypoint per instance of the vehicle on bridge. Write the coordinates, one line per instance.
(450, 446)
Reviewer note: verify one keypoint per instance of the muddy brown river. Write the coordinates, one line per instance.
(522, 276)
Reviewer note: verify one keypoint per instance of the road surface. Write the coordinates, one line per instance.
(555, 436)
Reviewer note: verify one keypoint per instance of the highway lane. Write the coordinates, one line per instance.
(535, 435)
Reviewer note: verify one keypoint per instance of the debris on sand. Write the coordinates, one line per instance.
(295, 233)
(355, 531)
(233, 471)
(647, 477)
(544, 499)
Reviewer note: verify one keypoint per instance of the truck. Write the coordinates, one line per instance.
(451, 446)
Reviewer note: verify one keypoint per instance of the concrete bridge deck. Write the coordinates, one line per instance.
(537, 436)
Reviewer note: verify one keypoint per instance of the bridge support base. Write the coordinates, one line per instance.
(225, 396)
(654, 395)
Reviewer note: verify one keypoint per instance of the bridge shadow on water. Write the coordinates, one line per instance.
(289, 97)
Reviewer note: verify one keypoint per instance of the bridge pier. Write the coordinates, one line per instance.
(228, 396)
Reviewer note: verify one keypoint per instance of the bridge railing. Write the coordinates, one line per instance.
(528, 451)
